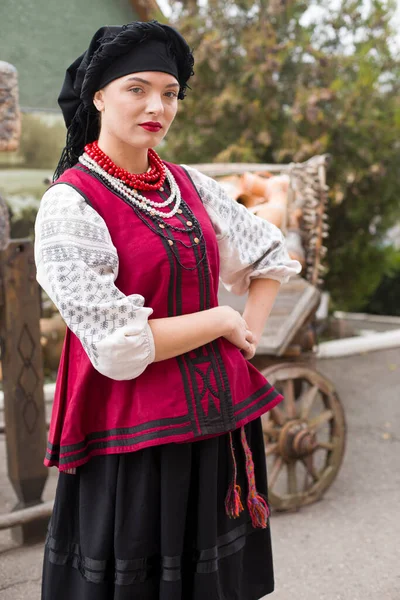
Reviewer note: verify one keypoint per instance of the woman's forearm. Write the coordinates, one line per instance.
(176, 335)
(262, 295)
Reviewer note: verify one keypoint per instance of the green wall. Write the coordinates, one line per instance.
(42, 37)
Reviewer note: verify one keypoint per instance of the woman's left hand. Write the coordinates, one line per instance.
(251, 348)
(249, 352)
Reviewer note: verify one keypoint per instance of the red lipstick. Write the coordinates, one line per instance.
(151, 126)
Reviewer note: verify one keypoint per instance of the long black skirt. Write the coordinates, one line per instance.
(151, 525)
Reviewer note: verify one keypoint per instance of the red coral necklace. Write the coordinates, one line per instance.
(153, 179)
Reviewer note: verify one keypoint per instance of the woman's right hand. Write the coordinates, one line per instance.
(237, 331)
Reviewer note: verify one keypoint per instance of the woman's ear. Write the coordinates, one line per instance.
(98, 100)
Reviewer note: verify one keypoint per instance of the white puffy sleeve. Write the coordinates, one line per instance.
(77, 265)
(249, 247)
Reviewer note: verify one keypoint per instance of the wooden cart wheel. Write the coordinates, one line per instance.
(304, 436)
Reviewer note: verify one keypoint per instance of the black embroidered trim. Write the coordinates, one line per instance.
(204, 421)
(197, 253)
(118, 431)
(168, 568)
(57, 455)
(226, 416)
(265, 396)
(145, 437)
(258, 394)
(265, 399)
(175, 309)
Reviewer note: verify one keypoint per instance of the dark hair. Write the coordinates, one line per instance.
(83, 77)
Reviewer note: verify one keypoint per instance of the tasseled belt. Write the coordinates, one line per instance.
(257, 505)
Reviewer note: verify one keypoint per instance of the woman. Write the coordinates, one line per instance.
(156, 418)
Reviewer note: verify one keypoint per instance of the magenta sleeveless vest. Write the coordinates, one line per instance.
(202, 393)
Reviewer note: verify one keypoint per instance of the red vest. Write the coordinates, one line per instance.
(202, 393)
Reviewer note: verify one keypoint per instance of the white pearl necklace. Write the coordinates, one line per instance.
(94, 164)
(132, 195)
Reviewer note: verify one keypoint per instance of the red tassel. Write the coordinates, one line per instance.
(259, 511)
(257, 505)
(233, 502)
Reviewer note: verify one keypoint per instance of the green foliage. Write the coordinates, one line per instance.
(385, 299)
(273, 86)
(41, 143)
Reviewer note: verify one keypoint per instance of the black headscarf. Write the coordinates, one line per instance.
(112, 53)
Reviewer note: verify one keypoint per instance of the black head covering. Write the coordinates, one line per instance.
(112, 53)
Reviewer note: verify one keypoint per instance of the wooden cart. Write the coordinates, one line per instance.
(305, 434)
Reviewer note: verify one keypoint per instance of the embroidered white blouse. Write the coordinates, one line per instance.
(113, 328)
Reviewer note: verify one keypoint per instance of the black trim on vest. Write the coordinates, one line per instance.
(226, 412)
(184, 361)
(175, 311)
(118, 431)
(120, 443)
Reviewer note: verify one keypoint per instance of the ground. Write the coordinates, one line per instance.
(342, 548)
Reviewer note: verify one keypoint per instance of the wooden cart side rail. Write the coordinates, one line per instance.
(291, 322)
(225, 169)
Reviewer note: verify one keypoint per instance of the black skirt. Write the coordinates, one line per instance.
(151, 525)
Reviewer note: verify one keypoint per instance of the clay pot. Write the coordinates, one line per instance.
(254, 185)
(274, 213)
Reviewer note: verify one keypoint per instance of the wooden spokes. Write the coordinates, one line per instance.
(289, 399)
(307, 400)
(304, 436)
(278, 416)
(320, 420)
(276, 469)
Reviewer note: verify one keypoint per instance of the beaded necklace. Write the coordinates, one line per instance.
(153, 179)
(132, 195)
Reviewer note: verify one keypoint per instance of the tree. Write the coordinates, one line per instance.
(274, 85)
(385, 299)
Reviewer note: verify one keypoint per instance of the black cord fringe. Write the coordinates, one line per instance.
(83, 130)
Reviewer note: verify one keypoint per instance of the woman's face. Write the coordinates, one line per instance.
(127, 103)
